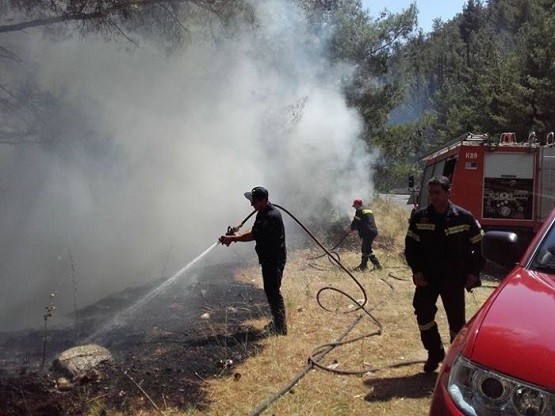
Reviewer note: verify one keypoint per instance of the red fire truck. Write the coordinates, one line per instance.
(506, 184)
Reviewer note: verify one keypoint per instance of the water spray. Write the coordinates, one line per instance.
(119, 318)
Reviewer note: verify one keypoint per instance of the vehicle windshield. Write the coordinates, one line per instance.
(544, 259)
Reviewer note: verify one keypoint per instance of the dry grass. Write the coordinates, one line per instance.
(385, 390)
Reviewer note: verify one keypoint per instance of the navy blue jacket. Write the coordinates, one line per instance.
(364, 223)
(444, 246)
(269, 233)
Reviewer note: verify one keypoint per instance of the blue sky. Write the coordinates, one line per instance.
(428, 10)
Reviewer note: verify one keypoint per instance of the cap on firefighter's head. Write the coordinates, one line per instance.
(257, 193)
(357, 202)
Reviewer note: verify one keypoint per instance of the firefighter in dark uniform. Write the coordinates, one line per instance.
(443, 249)
(269, 233)
(365, 224)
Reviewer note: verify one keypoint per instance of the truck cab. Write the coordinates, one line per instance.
(506, 184)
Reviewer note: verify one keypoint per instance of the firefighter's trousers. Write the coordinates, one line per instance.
(424, 303)
(272, 274)
(367, 252)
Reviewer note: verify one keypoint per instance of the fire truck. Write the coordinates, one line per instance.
(506, 184)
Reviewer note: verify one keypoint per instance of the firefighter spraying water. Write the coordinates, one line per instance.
(269, 233)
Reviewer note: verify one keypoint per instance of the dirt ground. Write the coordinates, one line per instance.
(163, 353)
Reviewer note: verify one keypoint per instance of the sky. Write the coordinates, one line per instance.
(428, 10)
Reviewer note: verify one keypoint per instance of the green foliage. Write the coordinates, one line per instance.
(504, 82)
(401, 146)
(365, 44)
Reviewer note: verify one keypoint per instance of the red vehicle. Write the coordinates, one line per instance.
(503, 360)
(506, 184)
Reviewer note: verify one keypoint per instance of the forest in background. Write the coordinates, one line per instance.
(489, 69)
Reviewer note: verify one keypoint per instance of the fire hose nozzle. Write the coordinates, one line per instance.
(230, 231)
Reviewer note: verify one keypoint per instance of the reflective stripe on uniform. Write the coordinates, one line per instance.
(457, 229)
(427, 326)
(413, 235)
(367, 211)
(357, 218)
(430, 227)
(477, 237)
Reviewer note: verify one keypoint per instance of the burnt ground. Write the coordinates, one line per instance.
(163, 353)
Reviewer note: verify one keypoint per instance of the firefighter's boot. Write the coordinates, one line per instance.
(279, 324)
(432, 363)
(363, 264)
(375, 262)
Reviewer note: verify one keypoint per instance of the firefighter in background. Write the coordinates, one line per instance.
(365, 224)
(443, 249)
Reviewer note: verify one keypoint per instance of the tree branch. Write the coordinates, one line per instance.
(124, 34)
(6, 53)
(396, 36)
(98, 14)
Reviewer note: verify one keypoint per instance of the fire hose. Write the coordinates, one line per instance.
(319, 352)
(332, 250)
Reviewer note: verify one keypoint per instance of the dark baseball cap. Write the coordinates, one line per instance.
(258, 192)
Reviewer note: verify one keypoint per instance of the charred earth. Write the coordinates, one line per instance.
(163, 352)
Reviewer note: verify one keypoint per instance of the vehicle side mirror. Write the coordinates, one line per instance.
(501, 247)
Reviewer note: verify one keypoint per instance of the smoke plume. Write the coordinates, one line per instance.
(153, 151)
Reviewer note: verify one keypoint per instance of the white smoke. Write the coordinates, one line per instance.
(182, 137)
